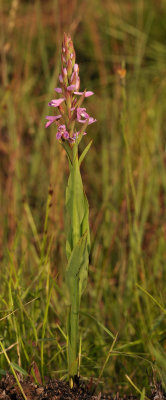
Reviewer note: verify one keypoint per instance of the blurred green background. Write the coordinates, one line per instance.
(121, 52)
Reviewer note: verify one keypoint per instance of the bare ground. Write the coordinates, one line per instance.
(58, 390)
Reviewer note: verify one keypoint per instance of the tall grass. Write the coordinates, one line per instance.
(125, 184)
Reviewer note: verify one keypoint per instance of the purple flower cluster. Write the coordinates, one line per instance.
(69, 104)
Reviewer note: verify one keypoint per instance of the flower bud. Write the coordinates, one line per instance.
(69, 68)
(73, 58)
(64, 75)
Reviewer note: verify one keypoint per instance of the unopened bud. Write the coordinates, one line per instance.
(64, 75)
(60, 78)
(65, 41)
(76, 68)
(69, 68)
(68, 100)
(73, 58)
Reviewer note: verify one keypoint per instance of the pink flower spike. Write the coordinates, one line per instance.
(58, 90)
(56, 103)
(87, 94)
(51, 119)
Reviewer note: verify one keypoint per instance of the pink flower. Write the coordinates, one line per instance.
(62, 132)
(83, 117)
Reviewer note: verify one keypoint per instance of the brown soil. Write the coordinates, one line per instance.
(58, 390)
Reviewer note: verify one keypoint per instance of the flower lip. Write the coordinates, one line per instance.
(58, 135)
(62, 132)
(51, 119)
(91, 120)
(56, 102)
(60, 78)
(71, 88)
(87, 94)
(83, 116)
(83, 133)
(58, 90)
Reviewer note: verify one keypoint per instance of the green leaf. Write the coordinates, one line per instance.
(82, 156)
(68, 151)
(77, 269)
(77, 250)
(76, 279)
(19, 369)
(68, 247)
(85, 222)
(77, 209)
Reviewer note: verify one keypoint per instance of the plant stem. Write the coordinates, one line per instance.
(73, 336)
(74, 308)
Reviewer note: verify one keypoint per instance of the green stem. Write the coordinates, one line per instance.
(74, 308)
(73, 336)
(78, 243)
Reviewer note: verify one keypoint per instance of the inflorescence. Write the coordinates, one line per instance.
(69, 105)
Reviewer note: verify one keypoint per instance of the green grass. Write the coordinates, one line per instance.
(124, 175)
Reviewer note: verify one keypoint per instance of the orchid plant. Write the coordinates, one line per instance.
(71, 123)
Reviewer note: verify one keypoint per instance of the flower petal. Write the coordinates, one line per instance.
(82, 115)
(66, 135)
(71, 87)
(91, 120)
(87, 94)
(51, 119)
(56, 102)
(62, 132)
(58, 135)
(76, 68)
(83, 133)
(58, 90)
(60, 78)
